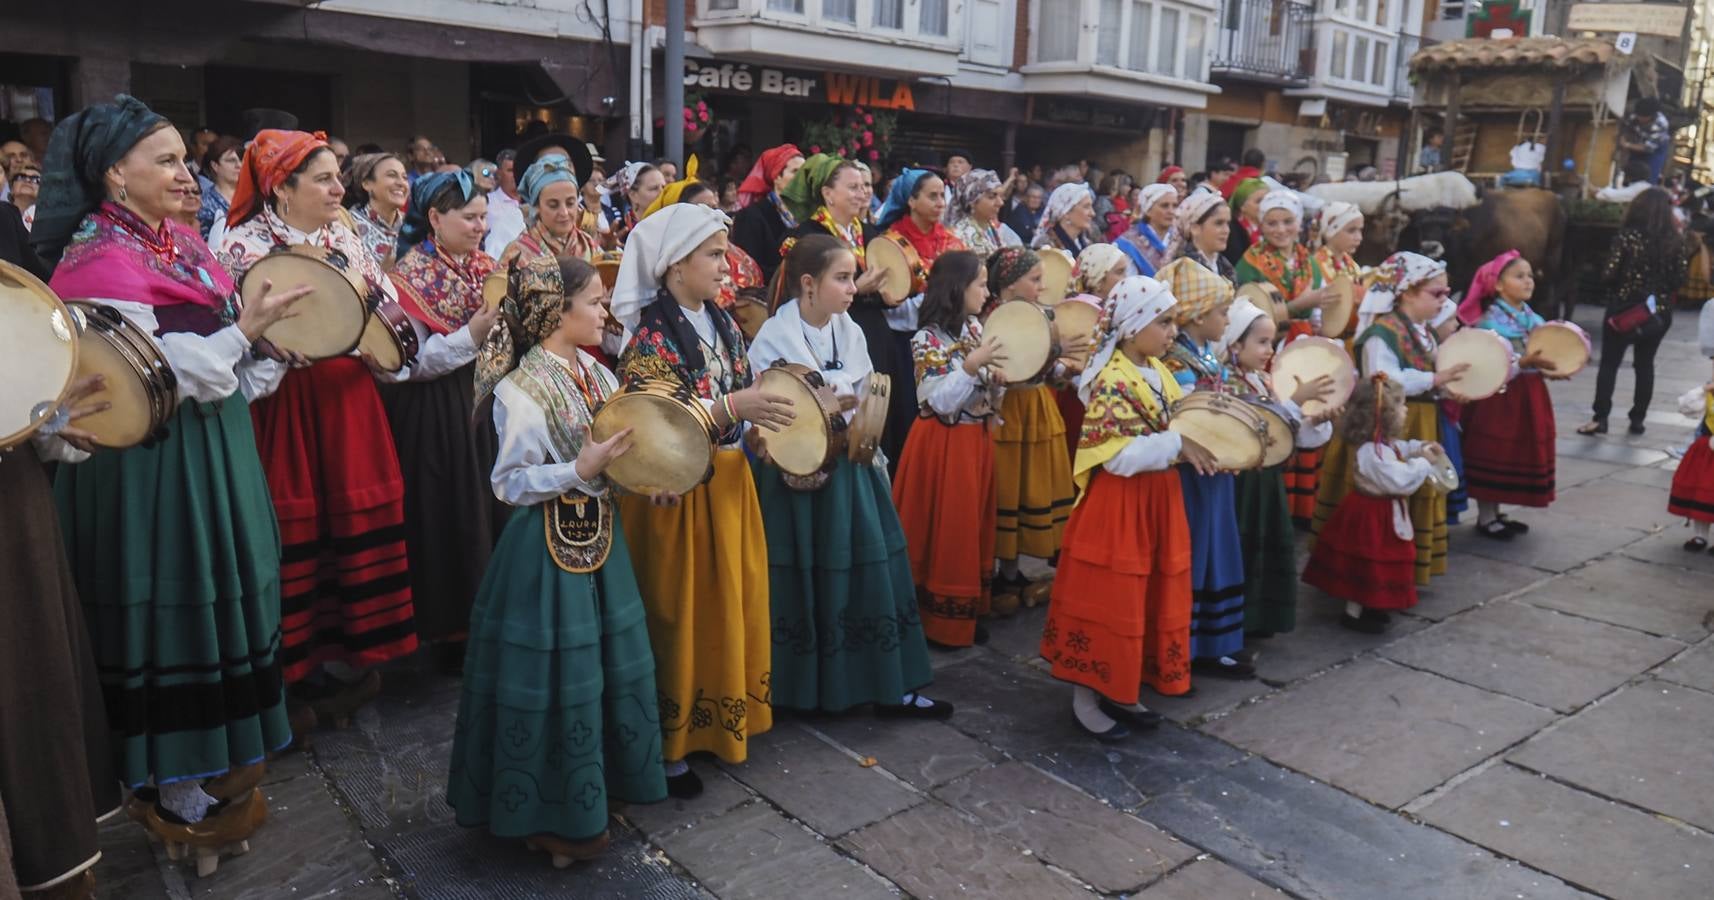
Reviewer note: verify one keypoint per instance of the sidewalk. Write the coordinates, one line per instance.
(1539, 727)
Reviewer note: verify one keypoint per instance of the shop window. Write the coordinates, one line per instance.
(1341, 49)
(890, 14)
(1141, 16)
(791, 6)
(839, 11)
(934, 17)
(1452, 10)
(1107, 39)
(1166, 51)
(1195, 37)
(1056, 30)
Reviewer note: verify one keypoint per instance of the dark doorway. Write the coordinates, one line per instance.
(229, 90)
(1225, 141)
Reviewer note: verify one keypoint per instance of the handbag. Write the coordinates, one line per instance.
(1639, 321)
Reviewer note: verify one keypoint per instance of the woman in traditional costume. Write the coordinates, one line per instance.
(376, 192)
(559, 642)
(976, 204)
(1205, 226)
(1154, 240)
(1120, 616)
(845, 625)
(1394, 338)
(1210, 501)
(187, 643)
(1246, 205)
(1066, 219)
(702, 559)
(629, 192)
(446, 450)
(331, 463)
(763, 219)
(1264, 515)
(549, 189)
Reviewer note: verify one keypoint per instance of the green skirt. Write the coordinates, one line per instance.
(842, 603)
(176, 553)
(558, 707)
(1270, 560)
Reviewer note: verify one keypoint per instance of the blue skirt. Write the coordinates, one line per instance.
(1452, 439)
(1216, 564)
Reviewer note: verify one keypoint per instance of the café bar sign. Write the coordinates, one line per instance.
(836, 88)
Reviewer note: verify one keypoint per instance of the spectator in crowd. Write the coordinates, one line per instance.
(484, 173)
(1430, 158)
(419, 155)
(25, 183)
(1024, 214)
(341, 151)
(958, 164)
(1647, 135)
(1254, 161)
(12, 155)
(221, 162)
(667, 168)
(35, 133)
(505, 212)
(199, 144)
(1198, 179)
(1219, 174)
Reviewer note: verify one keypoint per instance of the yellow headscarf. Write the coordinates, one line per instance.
(1198, 290)
(671, 193)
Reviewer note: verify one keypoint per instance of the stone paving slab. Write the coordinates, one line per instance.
(127, 870)
(1383, 732)
(1014, 707)
(720, 794)
(826, 788)
(1599, 449)
(1557, 541)
(1319, 641)
(923, 754)
(447, 862)
(1667, 548)
(1553, 827)
(1295, 834)
(1656, 476)
(1209, 696)
(1209, 879)
(754, 853)
(1694, 668)
(1126, 774)
(1647, 745)
(1571, 471)
(1613, 503)
(1099, 845)
(1657, 599)
(934, 853)
(1546, 657)
(1017, 638)
(1472, 580)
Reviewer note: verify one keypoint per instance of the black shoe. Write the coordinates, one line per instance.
(1364, 624)
(1237, 671)
(1513, 525)
(1143, 720)
(1495, 530)
(686, 786)
(1246, 655)
(1112, 735)
(1636, 428)
(939, 711)
(1694, 545)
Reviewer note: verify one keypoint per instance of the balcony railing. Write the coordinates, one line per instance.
(1269, 40)
(1408, 45)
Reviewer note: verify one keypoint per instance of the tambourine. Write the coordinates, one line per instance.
(807, 448)
(329, 322)
(38, 353)
(674, 438)
(1227, 427)
(1030, 337)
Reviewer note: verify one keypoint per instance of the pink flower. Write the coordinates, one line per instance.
(857, 109)
(868, 138)
(687, 114)
(705, 115)
(814, 149)
(701, 106)
(660, 123)
(874, 154)
(868, 120)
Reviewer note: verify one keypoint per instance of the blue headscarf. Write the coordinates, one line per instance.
(416, 227)
(898, 203)
(543, 172)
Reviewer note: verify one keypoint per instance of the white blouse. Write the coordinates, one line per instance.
(528, 469)
(787, 337)
(1378, 357)
(1396, 470)
(209, 368)
(437, 354)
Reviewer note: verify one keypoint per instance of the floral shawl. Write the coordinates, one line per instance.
(665, 346)
(568, 409)
(1122, 405)
(113, 254)
(256, 237)
(1396, 332)
(537, 242)
(983, 241)
(1292, 273)
(439, 292)
(746, 276)
(375, 234)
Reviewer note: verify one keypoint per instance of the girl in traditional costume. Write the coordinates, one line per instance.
(1246, 231)
(944, 489)
(330, 458)
(845, 624)
(976, 205)
(744, 276)
(1264, 516)
(1365, 554)
(1210, 503)
(1205, 225)
(1692, 493)
(1284, 261)
(701, 559)
(1154, 240)
(1508, 439)
(558, 713)
(1339, 233)
(1120, 616)
(446, 451)
(1099, 268)
(1395, 339)
(187, 644)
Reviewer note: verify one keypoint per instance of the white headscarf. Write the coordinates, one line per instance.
(1062, 200)
(1095, 262)
(1153, 194)
(1282, 198)
(1336, 215)
(1133, 304)
(1241, 315)
(652, 247)
(1200, 202)
(1401, 272)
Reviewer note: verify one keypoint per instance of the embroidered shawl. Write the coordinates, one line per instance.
(113, 254)
(438, 292)
(1396, 332)
(255, 238)
(1193, 365)
(1122, 405)
(665, 346)
(380, 237)
(552, 386)
(1293, 274)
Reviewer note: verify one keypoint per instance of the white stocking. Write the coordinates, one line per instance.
(187, 800)
(1086, 706)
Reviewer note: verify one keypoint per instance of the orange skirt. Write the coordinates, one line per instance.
(1120, 614)
(944, 492)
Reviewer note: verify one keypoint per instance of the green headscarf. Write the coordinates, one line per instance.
(84, 146)
(1246, 189)
(803, 195)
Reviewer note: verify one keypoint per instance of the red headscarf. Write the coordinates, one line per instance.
(268, 161)
(1483, 286)
(768, 167)
(1167, 173)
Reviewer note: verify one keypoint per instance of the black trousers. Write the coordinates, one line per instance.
(1613, 346)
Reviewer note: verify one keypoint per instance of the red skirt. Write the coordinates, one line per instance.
(944, 492)
(334, 476)
(1071, 410)
(1121, 607)
(1509, 451)
(1302, 476)
(1692, 494)
(1358, 558)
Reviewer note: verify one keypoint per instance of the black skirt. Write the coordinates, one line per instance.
(56, 765)
(451, 516)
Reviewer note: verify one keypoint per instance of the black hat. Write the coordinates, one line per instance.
(256, 120)
(581, 163)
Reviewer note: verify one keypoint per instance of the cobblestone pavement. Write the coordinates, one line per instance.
(1537, 728)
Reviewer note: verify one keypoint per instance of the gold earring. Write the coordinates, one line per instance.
(121, 193)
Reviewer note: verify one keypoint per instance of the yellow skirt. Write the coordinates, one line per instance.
(1427, 506)
(1032, 475)
(702, 568)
